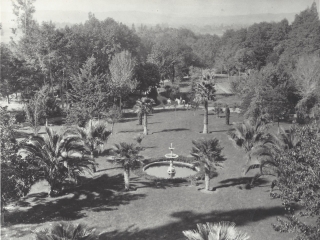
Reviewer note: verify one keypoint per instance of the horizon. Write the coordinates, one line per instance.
(152, 12)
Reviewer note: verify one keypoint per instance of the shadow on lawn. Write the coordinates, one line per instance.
(101, 194)
(241, 180)
(173, 130)
(186, 220)
(130, 131)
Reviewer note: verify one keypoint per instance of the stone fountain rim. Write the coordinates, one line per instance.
(189, 165)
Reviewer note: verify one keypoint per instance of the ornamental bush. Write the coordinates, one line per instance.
(299, 183)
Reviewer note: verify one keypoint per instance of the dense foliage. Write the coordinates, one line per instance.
(299, 183)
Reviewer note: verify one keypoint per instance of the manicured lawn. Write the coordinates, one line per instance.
(155, 211)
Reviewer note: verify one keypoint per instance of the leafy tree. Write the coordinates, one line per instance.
(298, 183)
(172, 56)
(59, 157)
(17, 173)
(216, 231)
(35, 109)
(95, 134)
(89, 94)
(304, 37)
(122, 71)
(143, 107)
(307, 82)
(147, 75)
(113, 116)
(127, 156)
(208, 153)
(267, 93)
(67, 231)
(9, 73)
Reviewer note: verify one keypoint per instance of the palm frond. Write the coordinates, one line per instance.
(217, 231)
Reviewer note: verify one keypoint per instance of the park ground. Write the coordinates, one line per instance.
(155, 210)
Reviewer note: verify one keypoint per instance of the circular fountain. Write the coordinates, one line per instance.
(170, 169)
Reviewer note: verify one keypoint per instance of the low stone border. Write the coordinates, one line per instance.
(181, 159)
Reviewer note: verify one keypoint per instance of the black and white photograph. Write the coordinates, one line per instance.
(160, 119)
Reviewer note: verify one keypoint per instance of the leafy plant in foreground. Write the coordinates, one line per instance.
(215, 231)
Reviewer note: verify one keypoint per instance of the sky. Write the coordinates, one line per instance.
(77, 10)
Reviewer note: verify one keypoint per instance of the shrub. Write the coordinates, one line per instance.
(299, 183)
(67, 231)
(164, 101)
(20, 117)
(52, 107)
(153, 94)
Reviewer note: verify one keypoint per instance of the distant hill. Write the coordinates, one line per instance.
(204, 24)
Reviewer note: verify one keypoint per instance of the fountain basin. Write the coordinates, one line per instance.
(159, 169)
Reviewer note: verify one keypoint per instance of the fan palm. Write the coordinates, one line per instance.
(59, 155)
(67, 231)
(143, 107)
(94, 135)
(204, 92)
(216, 231)
(208, 154)
(127, 156)
(268, 153)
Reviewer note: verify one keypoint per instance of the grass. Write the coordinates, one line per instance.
(154, 210)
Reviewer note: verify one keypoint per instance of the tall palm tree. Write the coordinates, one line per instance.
(204, 92)
(143, 107)
(127, 156)
(94, 135)
(208, 154)
(216, 231)
(60, 156)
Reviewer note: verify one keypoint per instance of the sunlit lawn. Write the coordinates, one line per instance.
(155, 211)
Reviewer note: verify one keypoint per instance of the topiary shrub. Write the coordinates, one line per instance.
(227, 115)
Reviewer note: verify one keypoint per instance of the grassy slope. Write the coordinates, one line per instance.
(155, 211)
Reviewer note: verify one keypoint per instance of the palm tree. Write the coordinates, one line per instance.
(94, 135)
(67, 231)
(127, 156)
(252, 136)
(204, 92)
(143, 107)
(267, 156)
(208, 154)
(60, 156)
(216, 231)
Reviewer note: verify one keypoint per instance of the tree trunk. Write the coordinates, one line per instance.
(94, 169)
(61, 91)
(207, 180)
(126, 175)
(145, 124)
(278, 125)
(120, 104)
(112, 128)
(8, 98)
(140, 118)
(205, 119)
